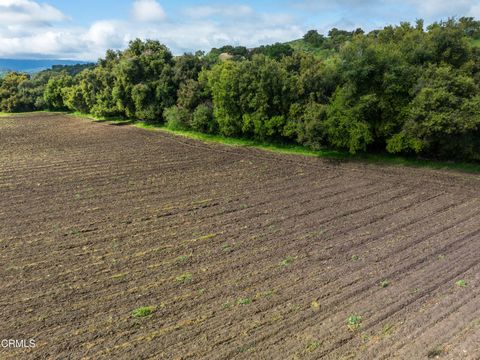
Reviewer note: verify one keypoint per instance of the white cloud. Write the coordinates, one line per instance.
(104, 34)
(35, 29)
(49, 43)
(206, 11)
(203, 35)
(475, 11)
(236, 24)
(40, 30)
(28, 28)
(375, 14)
(148, 11)
(14, 12)
(442, 8)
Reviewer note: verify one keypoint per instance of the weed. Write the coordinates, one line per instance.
(385, 283)
(184, 278)
(75, 231)
(246, 348)
(434, 353)
(265, 294)
(315, 305)
(227, 248)
(208, 236)
(119, 276)
(202, 291)
(269, 293)
(143, 311)
(355, 257)
(287, 261)
(354, 322)
(226, 305)
(295, 307)
(313, 345)
(244, 301)
(387, 329)
(182, 259)
(461, 283)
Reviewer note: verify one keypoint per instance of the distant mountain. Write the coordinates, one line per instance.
(33, 66)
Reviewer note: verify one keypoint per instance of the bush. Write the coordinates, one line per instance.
(11, 100)
(443, 119)
(311, 127)
(203, 119)
(348, 124)
(177, 118)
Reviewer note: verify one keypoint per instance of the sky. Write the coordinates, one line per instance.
(85, 29)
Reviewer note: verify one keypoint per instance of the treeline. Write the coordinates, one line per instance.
(402, 89)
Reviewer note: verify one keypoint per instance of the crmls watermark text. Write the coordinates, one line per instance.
(17, 343)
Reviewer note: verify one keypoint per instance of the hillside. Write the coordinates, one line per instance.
(33, 66)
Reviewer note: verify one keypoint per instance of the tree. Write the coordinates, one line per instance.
(11, 99)
(144, 85)
(313, 38)
(101, 86)
(276, 51)
(187, 67)
(252, 97)
(347, 124)
(448, 43)
(203, 119)
(444, 116)
(470, 26)
(56, 91)
(403, 89)
(337, 37)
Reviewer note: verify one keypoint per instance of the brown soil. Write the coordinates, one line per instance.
(97, 220)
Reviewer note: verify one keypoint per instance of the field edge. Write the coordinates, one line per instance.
(282, 148)
(292, 149)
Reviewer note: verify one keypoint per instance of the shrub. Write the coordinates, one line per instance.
(203, 119)
(177, 118)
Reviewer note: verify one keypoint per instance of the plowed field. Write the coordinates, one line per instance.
(239, 253)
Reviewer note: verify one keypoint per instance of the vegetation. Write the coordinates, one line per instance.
(184, 278)
(287, 261)
(384, 283)
(143, 311)
(401, 90)
(354, 322)
(244, 301)
(313, 345)
(435, 353)
(182, 258)
(292, 148)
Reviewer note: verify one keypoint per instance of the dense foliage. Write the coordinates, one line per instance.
(402, 89)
